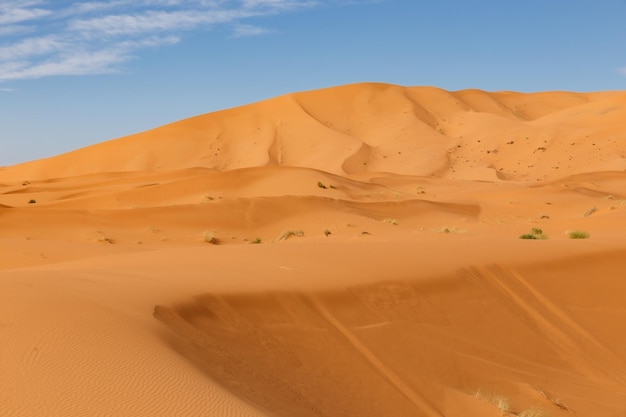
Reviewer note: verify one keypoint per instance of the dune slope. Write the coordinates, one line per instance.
(377, 128)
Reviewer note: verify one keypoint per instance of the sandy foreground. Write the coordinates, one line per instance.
(352, 251)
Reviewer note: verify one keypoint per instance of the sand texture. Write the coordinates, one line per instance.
(353, 251)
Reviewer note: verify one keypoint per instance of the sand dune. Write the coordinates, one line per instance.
(347, 251)
(376, 128)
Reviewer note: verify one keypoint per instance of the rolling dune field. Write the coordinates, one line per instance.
(348, 251)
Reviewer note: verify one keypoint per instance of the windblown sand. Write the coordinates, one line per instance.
(352, 251)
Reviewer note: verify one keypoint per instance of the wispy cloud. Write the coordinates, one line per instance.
(622, 71)
(12, 12)
(240, 31)
(40, 38)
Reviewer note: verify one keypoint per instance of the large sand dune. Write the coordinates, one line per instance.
(348, 251)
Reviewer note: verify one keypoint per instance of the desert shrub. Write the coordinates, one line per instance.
(528, 236)
(535, 233)
(577, 234)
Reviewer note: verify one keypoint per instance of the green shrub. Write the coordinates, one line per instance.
(577, 234)
(528, 236)
(535, 233)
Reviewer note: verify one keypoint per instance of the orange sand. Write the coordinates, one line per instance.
(388, 278)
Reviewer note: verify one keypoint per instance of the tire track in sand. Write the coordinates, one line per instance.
(582, 350)
(420, 403)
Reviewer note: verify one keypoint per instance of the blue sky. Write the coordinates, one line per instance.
(73, 73)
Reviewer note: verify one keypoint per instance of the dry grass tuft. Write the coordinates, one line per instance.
(289, 233)
(499, 401)
(532, 412)
(555, 401)
(209, 237)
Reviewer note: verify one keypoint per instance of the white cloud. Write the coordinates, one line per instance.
(17, 12)
(30, 47)
(14, 30)
(98, 62)
(41, 38)
(278, 4)
(150, 22)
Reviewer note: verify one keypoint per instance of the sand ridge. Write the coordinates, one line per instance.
(348, 251)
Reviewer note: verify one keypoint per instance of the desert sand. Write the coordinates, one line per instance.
(352, 251)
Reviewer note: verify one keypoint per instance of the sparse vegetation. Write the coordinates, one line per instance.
(105, 239)
(498, 400)
(32, 201)
(287, 234)
(256, 241)
(529, 236)
(577, 234)
(535, 233)
(321, 185)
(327, 233)
(532, 412)
(209, 237)
(391, 221)
(451, 229)
(558, 403)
